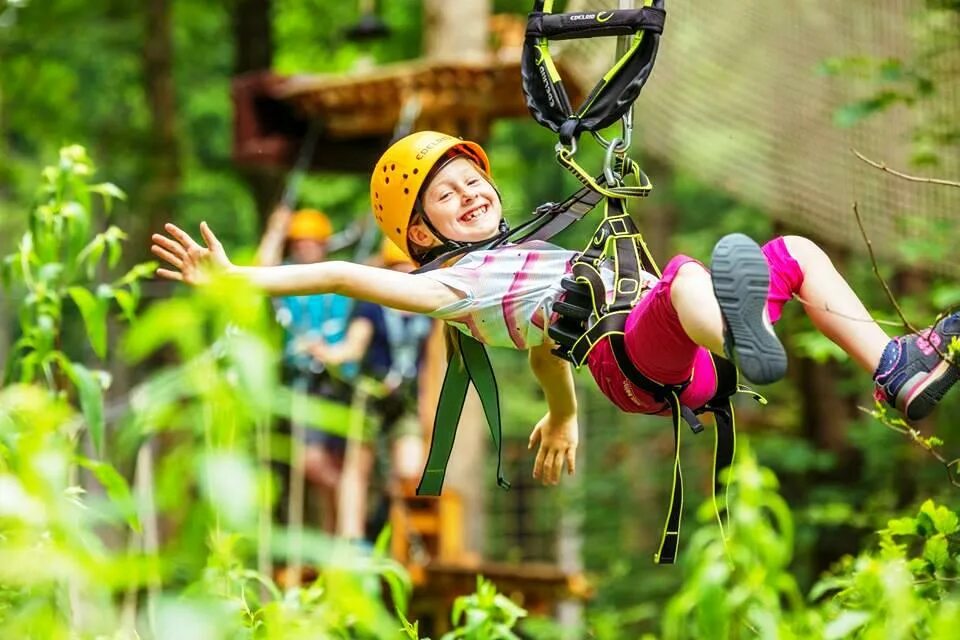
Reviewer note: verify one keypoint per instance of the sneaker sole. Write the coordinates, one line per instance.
(925, 396)
(741, 282)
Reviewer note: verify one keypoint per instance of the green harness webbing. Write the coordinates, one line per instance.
(468, 363)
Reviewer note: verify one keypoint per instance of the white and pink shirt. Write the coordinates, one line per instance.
(509, 292)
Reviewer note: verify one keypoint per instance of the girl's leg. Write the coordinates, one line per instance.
(729, 309)
(696, 306)
(909, 371)
(833, 306)
(797, 266)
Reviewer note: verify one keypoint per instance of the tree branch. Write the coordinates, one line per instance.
(883, 167)
(876, 271)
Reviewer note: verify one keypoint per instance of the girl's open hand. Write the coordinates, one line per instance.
(558, 440)
(190, 260)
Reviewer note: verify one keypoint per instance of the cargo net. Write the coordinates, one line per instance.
(737, 99)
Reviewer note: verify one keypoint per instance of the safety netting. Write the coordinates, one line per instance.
(739, 99)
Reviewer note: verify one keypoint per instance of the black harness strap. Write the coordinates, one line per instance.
(619, 22)
(614, 94)
(586, 299)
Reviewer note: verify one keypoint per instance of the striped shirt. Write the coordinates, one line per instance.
(508, 293)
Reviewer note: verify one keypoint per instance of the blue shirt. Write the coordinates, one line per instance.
(323, 316)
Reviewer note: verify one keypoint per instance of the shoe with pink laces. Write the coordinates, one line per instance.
(913, 375)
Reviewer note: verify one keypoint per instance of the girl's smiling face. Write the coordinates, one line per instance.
(461, 203)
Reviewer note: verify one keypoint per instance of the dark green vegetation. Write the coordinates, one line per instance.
(105, 366)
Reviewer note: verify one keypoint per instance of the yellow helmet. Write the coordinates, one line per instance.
(391, 254)
(309, 224)
(401, 172)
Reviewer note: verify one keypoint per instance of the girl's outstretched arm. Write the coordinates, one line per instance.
(404, 291)
(556, 432)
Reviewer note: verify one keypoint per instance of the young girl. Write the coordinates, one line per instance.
(431, 191)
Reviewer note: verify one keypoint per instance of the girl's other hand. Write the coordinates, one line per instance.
(558, 440)
(190, 260)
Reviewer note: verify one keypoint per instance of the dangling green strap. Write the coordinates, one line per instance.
(468, 363)
(670, 539)
(725, 446)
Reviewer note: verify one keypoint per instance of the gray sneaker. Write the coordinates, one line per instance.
(741, 282)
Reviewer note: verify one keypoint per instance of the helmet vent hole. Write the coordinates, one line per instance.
(387, 180)
(404, 176)
(393, 167)
(406, 191)
(416, 171)
(398, 229)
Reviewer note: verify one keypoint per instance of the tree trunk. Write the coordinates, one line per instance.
(253, 51)
(456, 30)
(163, 157)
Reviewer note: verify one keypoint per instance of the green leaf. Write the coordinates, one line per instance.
(412, 630)
(90, 392)
(944, 520)
(903, 526)
(127, 304)
(90, 255)
(142, 270)
(109, 191)
(381, 547)
(93, 309)
(117, 489)
(114, 251)
(845, 624)
(936, 553)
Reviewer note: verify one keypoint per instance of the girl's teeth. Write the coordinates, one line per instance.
(473, 214)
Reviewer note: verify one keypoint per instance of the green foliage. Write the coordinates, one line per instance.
(59, 574)
(57, 260)
(485, 615)
(916, 82)
(904, 586)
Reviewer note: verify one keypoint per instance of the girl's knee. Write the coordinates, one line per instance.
(690, 283)
(691, 273)
(802, 248)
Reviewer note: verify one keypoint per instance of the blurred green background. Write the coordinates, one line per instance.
(144, 87)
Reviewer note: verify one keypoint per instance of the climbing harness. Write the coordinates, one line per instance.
(586, 314)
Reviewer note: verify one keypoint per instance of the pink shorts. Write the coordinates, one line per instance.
(660, 348)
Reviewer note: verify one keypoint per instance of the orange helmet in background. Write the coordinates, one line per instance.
(309, 224)
(392, 255)
(401, 172)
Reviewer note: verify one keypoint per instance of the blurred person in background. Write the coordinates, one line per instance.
(391, 347)
(301, 237)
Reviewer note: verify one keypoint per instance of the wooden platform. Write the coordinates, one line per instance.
(358, 113)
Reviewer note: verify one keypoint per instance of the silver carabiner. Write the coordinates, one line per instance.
(613, 179)
(573, 147)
